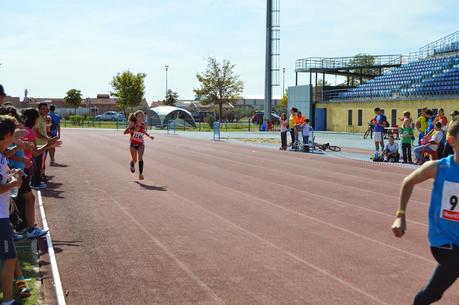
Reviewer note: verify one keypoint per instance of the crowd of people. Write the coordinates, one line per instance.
(431, 142)
(26, 139)
(298, 126)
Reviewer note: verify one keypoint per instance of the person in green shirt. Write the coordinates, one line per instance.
(407, 135)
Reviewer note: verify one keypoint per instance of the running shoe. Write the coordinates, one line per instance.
(141, 177)
(39, 187)
(36, 233)
(17, 237)
(132, 167)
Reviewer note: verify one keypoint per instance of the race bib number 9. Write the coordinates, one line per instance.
(449, 201)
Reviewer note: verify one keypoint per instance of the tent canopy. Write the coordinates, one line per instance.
(161, 115)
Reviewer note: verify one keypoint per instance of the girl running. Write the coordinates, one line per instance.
(443, 218)
(137, 129)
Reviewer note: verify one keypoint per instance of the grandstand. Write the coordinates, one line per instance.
(426, 78)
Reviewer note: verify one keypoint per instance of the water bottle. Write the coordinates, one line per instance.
(14, 192)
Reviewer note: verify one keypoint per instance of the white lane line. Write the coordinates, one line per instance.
(182, 266)
(52, 256)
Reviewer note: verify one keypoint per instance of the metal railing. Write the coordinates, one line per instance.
(352, 62)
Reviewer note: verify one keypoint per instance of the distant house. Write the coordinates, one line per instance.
(89, 106)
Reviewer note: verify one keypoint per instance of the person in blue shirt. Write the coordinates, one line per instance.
(443, 218)
(54, 130)
(430, 120)
(379, 129)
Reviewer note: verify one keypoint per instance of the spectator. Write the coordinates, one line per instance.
(2, 95)
(448, 148)
(54, 131)
(442, 119)
(31, 151)
(291, 124)
(299, 124)
(306, 134)
(430, 120)
(7, 182)
(407, 136)
(283, 131)
(18, 161)
(431, 146)
(390, 152)
(421, 125)
(379, 130)
(41, 139)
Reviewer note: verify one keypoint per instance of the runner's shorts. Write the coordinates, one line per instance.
(377, 136)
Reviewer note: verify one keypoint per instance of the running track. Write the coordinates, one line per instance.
(221, 223)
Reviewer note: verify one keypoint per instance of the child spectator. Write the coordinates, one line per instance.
(7, 249)
(283, 131)
(291, 124)
(390, 152)
(379, 130)
(432, 145)
(421, 125)
(407, 136)
(306, 134)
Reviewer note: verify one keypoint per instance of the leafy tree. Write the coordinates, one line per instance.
(73, 98)
(129, 89)
(363, 59)
(321, 83)
(219, 85)
(284, 100)
(171, 98)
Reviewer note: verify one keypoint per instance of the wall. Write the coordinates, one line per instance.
(337, 112)
(300, 97)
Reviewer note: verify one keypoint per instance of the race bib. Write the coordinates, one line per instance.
(137, 135)
(449, 201)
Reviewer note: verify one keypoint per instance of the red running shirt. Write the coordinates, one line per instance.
(137, 134)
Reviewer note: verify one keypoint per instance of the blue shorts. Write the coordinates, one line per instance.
(7, 248)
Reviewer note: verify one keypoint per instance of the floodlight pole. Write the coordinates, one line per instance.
(167, 68)
(268, 64)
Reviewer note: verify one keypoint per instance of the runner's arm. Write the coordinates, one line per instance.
(425, 172)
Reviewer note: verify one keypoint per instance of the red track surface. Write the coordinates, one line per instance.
(219, 223)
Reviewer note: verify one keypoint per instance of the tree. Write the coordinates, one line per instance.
(363, 59)
(284, 100)
(219, 85)
(321, 83)
(171, 98)
(73, 98)
(129, 89)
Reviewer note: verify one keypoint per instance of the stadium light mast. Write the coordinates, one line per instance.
(272, 54)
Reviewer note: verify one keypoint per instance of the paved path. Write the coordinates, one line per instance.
(221, 223)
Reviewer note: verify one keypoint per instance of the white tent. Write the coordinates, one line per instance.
(161, 115)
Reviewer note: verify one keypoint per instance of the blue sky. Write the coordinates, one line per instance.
(50, 47)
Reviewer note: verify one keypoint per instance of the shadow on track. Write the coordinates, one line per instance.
(151, 187)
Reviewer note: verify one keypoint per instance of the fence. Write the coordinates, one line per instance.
(243, 125)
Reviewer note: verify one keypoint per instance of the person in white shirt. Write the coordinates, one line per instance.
(283, 130)
(431, 146)
(391, 151)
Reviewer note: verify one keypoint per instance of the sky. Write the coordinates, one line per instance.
(49, 47)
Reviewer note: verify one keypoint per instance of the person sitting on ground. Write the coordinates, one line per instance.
(306, 134)
(390, 152)
(283, 131)
(432, 146)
